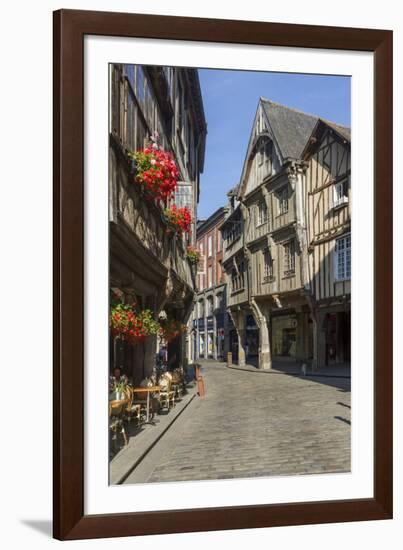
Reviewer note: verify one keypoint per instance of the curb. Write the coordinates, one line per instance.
(143, 455)
(308, 375)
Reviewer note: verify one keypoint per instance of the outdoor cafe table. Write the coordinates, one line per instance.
(148, 390)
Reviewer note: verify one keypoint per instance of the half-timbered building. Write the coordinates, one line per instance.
(148, 266)
(328, 220)
(267, 244)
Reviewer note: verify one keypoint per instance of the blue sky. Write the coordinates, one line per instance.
(230, 99)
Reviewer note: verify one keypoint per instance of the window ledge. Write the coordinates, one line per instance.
(339, 205)
(289, 274)
(237, 291)
(269, 279)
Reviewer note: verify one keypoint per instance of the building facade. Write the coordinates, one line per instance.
(328, 220)
(209, 320)
(267, 242)
(148, 266)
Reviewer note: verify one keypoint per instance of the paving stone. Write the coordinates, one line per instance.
(251, 425)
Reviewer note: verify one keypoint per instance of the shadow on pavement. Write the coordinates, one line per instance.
(343, 420)
(328, 377)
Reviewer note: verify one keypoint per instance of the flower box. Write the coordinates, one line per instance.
(155, 171)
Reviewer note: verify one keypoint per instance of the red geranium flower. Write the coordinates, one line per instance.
(156, 172)
(180, 218)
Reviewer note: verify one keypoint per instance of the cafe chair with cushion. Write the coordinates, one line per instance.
(132, 409)
(177, 383)
(116, 416)
(167, 395)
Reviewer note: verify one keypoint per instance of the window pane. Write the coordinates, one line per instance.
(343, 251)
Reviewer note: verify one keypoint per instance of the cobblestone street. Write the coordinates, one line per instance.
(255, 424)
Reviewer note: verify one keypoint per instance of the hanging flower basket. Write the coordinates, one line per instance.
(155, 172)
(193, 254)
(132, 325)
(179, 219)
(171, 329)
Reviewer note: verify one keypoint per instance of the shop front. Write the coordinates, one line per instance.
(337, 329)
(220, 343)
(202, 344)
(210, 337)
(284, 337)
(233, 344)
(252, 337)
(220, 335)
(210, 344)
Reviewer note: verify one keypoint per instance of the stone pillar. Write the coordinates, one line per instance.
(261, 315)
(265, 361)
(319, 341)
(238, 318)
(241, 342)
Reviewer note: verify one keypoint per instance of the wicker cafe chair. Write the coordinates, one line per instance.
(178, 383)
(132, 409)
(116, 415)
(167, 395)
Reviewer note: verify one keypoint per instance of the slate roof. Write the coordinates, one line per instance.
(293, 128)
(342, 130)
(319, 129)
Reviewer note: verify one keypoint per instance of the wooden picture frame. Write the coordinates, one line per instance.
(70, 27)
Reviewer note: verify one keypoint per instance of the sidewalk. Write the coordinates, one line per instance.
(144, 440)
(293, 369)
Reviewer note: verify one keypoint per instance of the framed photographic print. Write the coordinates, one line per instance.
(222, 274)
